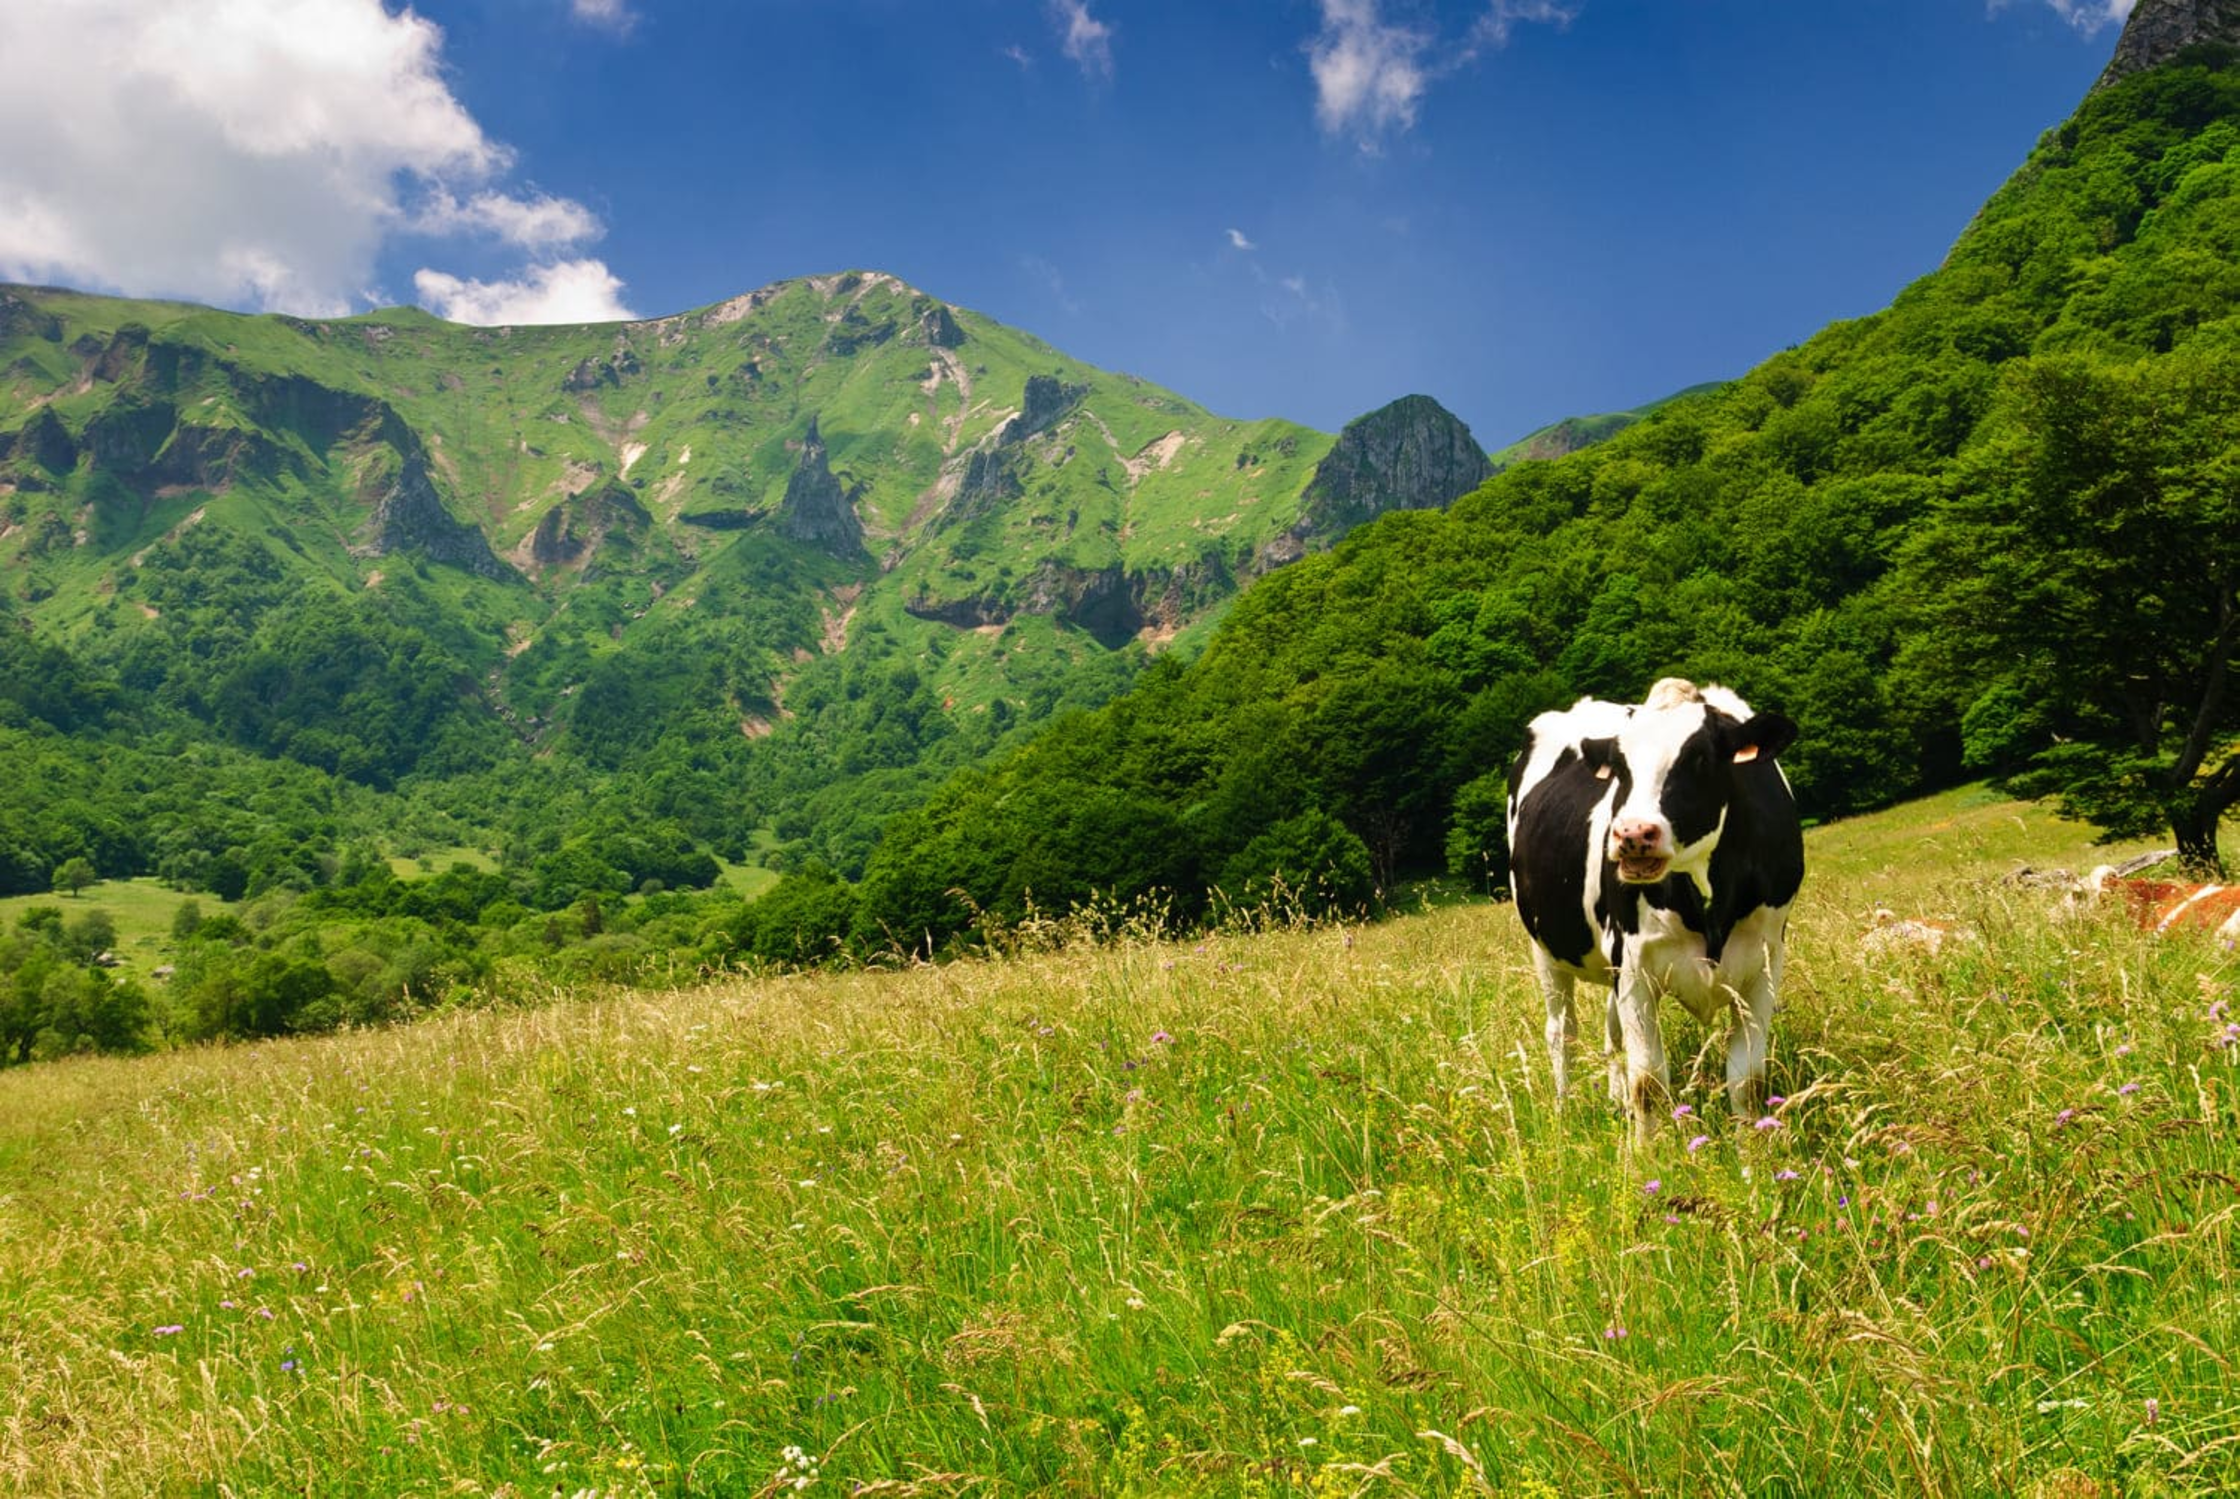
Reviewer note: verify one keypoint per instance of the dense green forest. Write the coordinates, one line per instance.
(1988, 531)
(1993, 529)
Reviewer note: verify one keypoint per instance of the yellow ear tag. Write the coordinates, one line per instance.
(1602, 772)
(1746, 754)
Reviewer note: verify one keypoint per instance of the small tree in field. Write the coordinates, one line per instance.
(74, 874)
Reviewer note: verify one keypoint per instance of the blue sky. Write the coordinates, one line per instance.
(1525, 208)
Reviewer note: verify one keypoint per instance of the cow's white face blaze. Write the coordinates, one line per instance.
(1673, 768)
(1669, 810)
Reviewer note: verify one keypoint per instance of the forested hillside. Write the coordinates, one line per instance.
(1995, 528)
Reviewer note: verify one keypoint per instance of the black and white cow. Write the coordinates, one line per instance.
(1657, 849)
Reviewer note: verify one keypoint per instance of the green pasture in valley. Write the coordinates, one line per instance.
(1277, 1213)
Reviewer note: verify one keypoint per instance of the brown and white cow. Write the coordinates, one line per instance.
(1657, 849)
(2161, 906)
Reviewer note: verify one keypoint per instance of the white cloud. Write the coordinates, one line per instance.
(614, 15)
(2089, 16)
(1021, 56)
(1237, 239)
(252, 153)
(1083, 38)
(1493, 28)
(573, 291)
(538, 223)
(1368, 73)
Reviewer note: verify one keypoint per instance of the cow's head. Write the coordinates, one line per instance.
(1675, 768)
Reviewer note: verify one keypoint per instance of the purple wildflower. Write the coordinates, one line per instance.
(1776, 1101)
(2154, 1410)
(171, 1330)
(1683, 1111)
(1698, 1143)
(1652, 1186)
(1768, 1122)
(1161, 1038)
(1784, 1175)
(2127, 1090)
(2064, 1116)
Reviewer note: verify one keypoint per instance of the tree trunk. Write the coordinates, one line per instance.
(2194, 825)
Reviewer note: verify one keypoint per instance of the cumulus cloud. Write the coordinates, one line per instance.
(1368, 72)
(1238, 241)
(571, 291)
(1083, 38)
(247, 152)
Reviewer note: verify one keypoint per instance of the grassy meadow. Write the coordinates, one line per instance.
(1285, 1213)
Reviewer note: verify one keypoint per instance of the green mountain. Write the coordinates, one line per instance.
(1991, 529)
(768, 563)
(1563, 438)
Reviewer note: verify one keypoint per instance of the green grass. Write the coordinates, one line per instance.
(142, 910)
(1288, 1213)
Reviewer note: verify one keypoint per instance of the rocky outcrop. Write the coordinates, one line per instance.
(21, 317)
(125, 437)
(1110, 603)
(1047, 398)
(2161, 29)
(410, 517)
(1411, 455)
(817, 510)
(581, 524)
(937, 326)
(47, 443)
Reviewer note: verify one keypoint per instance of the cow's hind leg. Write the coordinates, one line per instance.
(1555, 986)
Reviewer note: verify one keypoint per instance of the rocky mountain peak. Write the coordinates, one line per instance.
(2160, 29)
(1411, 455)
(817, 509)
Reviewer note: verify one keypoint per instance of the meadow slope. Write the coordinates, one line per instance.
(1280, 1213)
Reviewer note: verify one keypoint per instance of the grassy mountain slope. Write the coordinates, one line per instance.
(1280, 1213)
(719, 567)
(2036, 436)
(1563, 438)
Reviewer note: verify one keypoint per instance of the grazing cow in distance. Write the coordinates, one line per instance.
(2161, 906)
(1657, 849)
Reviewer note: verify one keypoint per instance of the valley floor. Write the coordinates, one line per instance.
(1290, 1212)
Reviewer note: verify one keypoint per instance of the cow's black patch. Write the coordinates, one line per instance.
(1548, 855)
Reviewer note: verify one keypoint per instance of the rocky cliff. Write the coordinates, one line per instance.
(817, 509)
(1411, 455)
(2160, 29)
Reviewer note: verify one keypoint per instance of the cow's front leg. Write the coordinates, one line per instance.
(1614, 1052)
(1555, 986)
(1746, 1047)
(1648, 1078)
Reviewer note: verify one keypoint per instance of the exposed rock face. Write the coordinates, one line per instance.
(816, 509)
(581, 523)
(410, 517)
(46, 442)
(989, 480)
(2159, 29)
(1046, 399)
(19, 315)
(1110, 603)
(1411, 455)
(939, 328)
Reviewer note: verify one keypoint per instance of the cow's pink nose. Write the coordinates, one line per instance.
(1637, 839)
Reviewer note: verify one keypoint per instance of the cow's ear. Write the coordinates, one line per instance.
(1766, 736)
(1601, 756)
